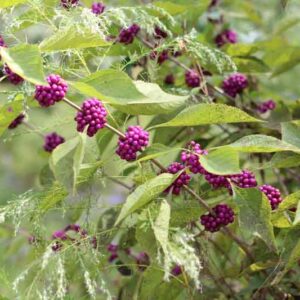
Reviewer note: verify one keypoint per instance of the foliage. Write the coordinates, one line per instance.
(79, 222)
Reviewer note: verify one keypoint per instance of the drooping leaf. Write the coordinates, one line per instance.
(291, 133)
(161, 225)
(241, 49)
(78, 158)
(72, 37)
(26, 61)
(9, 112)
(255, 214)
(250, 64)
(133, 97)
(258, 143)
(204, 114)
(285, 160)
(222, 161)
(145, 193)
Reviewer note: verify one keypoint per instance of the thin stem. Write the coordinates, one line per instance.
(119, 133)
(74, 105)
(33, 128)
(123, 184)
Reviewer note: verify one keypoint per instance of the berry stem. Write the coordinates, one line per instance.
(118, 132)
(33, 128)
(74, 105)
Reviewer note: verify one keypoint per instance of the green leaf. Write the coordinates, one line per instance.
(171, 7)
(285, 160)
(291, 133)
(203, 114)
(289, 201)
(281, 220)
(161, 225)
(258, 143)
(250, 64)
(8, 3)
(286, 24)
(134, 97)
(185, 212)
(255, 214)
(78, 158)
(9, 112)
(26, 61)
(51, 197)
(241, 49)
(87, 171)
(156, 150)
(72, 38)
(145, 193)
(224, 161)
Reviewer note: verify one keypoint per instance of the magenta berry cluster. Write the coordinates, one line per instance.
(191, 157)
(127, 35)
(273, 194)
(11, 76)
(17, 121)
(142, 260)
(2, 42)
(52, 140)
(176, 271)
(69, 3)
(92, 115)
(98, 8)
(169, 79)
(160, 57)
(192, 78)
(182, 179)
(266, 106)
(245, 179)
(235, 84)
(48, 95)
(221, 215)
(135, 139)
(228, 36)
(159, 33)
(217, 181)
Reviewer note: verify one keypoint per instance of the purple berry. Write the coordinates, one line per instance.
(160, 57)
(235, 84)
(192, 78)
(127, 35)
(160, 34)
(11, 76)
(113, 257)
(98, 8)
(52, 140)
(17, 121)
(273, 194)
(69, 3)
(112, 248)
(182, 179)
(169, 79)
(176, 271)
(246, 179)
(72, 227)
(222, 216)
(47, 95)
(135, 140)
(59, 235)
(226, 37)
(266, 106)
(191, 157)
(93, 114)
(143, 260)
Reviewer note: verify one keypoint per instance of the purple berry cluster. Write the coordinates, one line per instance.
(127, 35)
(192, 78)
(143, 261)
(113, 249)
(17, 121)
(2, 42)
(135, 140)
(160, 57)
(169, 79)
(11, 76)
(273, 194)
(217, 181)
(228, 36)
(191, 157)
(98, 8)
(222, 216)
(69, 3)
(159, 33)
(93, 114)
(54, 92)
(235, 84)
(182, 179)
(244, 180)
(52, 140)
(266, 106)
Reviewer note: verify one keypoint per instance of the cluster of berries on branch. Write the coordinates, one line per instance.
(11, 76)
(98, 8)
(52, 140)
(235, 84)
(69, 3)
(266, 106)
(127, 35)
(273, 194)
(227, 36)
(17, 121)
